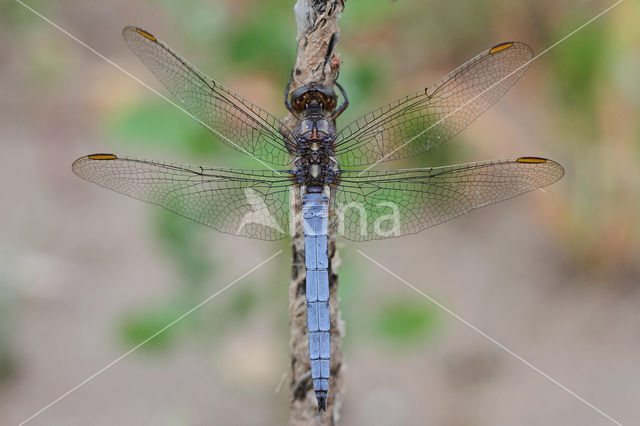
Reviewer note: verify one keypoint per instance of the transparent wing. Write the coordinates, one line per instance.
(233, 119)
(431, 116)
(249, 203)
(383, 204)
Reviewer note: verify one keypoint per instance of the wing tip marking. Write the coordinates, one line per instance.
(102, 157)
(532, 160)
(145, 34)
(500, 47)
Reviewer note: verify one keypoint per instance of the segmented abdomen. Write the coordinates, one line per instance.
(315, 210)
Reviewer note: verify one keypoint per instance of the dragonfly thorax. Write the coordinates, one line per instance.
(315, 164)
(315, 128)
(315, 106)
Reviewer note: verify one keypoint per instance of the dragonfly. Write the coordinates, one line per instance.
(316, 166)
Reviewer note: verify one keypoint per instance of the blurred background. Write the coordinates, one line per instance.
(86, 274)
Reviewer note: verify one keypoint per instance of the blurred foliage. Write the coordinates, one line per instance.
(145, 323)
(578, 70)
(243, 302)
(156, 124)
(361, 16)
(200, 21)
(396, 322)
(8, 307)
(361, 81)
(185, 243)
(349, 289)
(265, 41)
(16, 17)
(595, 114)
(48, 60)
(405, 323)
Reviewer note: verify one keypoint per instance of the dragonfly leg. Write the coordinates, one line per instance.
(287, 102)
(345, 103)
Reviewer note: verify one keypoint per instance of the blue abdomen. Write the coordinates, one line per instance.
(315, 210)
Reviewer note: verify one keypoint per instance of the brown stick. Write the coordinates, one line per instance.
(316, 62)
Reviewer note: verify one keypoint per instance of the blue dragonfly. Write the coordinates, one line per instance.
(358, 205)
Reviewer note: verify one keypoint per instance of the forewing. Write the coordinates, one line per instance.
(383, 204)
(249, 203)
(233, 119)
(433, 115)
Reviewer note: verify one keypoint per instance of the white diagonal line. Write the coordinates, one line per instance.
(215, 132)
(163, 329)
(495, 84)
(500, 345)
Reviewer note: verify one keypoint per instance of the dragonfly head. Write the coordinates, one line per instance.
(314, 98)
